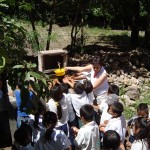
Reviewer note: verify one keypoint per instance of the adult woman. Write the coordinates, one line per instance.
(98, 77)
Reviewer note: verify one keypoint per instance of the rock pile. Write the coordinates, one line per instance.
(129, 70)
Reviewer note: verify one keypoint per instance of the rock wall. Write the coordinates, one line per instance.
(129, 70)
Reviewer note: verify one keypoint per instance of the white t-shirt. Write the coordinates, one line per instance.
(105, 115)
(65, 109)
(71, 111)
(103, 88)
(59, 141)
(87, 137)
(78, 100)
(139, 145)
(36, 132)
(91, 97)
(119, 125)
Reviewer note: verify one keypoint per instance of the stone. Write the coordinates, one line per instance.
(126, 100)
(133, 92)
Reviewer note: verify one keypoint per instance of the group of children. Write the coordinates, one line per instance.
(69, 121)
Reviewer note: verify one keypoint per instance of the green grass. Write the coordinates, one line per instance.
(130, 111)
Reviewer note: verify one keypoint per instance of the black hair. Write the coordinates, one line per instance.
(64, 87)
(78, 87)
(87, 112)
(41, 110)
(88, 87)
(23, 135)
(49, 121)
(111, 140)
(97, 60)
(144, 132)
(117, 108)
(143, 107)
(20, 85)
(57, 94)
(113, 89)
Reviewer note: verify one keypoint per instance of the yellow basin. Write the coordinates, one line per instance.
(60, 72)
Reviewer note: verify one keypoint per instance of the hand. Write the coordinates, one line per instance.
(128, 144)
(102, 128)
(65, 80)
(106, 122)
(75, 130)
(95, 106)
(66, 68)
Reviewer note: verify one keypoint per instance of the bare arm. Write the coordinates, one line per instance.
(80, 69)
(100, 80)
(69, 81)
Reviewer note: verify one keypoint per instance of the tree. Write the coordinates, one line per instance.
(13, 67)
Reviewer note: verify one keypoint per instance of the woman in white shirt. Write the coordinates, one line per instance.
(141, 131)
(98, 78)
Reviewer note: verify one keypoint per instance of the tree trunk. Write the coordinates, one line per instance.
(34, 30)
(147, 32)
(49, 34)
(74, 28)
(135, 26)
(51, 25)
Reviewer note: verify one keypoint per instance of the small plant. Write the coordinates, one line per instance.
(122, 90)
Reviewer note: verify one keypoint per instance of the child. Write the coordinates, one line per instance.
(23, 138)
(117, 122)
(106, 116)
(112, 95)
(88, 135)
(52, 139)
(141, 131)
(113, 89)
(111, 141)
(22, 116)
(142, 111)
(88, 88)
(79, 98)
(113, 92)
(36, 122)
(59, 104)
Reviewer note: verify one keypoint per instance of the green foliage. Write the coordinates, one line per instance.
(31, 39)
(26, 74)
(12, 63)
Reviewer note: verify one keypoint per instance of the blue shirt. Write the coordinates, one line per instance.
(18, 102)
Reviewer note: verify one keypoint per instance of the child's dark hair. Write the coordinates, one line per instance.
(64, 87)
(49, 121)
(41, 110)
(87, 112)
(23, 135)
(111, 140)
(113, 89)
(144, 132)
(117, 108)
(143, 107)
(88, 87)
(78, 88)
(57, 94)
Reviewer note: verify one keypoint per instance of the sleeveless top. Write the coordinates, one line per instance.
(103, 88)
